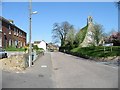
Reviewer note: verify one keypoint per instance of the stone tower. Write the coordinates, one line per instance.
(89, 20)
(89, 37)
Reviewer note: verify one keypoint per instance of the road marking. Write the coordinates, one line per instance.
(44, 66)
(17, 72)
(20, 72)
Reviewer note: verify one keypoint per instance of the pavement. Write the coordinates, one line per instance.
(59, 70)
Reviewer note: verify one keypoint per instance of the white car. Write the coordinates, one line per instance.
(3, 53)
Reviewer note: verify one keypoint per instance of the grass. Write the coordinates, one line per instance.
(96, 52)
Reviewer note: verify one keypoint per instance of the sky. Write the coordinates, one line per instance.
(76, 13)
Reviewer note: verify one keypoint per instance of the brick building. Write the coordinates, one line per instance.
(11, 35)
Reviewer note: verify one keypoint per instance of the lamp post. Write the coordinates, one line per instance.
(118, 16)
(30, 28)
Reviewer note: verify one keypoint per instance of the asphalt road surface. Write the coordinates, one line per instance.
(59, 70)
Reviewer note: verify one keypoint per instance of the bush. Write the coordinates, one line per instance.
(35, 47)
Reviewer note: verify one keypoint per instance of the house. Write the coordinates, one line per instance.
(51, 46)
(41, 44)
(11, 35)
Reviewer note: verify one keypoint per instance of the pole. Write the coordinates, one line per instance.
(118, 16)
(30, 20)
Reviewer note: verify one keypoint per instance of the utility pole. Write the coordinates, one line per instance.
(118, 15)
(30, 27)
(30, 30)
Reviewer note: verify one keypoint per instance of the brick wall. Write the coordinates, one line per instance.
(12, 36)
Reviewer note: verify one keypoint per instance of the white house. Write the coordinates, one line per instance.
(41, 44)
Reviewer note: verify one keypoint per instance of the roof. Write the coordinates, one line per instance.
(37, 42)
(7, 21)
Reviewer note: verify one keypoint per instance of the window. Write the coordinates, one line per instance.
(10, 43)
(21, 34)
(24, 43)
(0, 26)
(0, 39)
(16, 42)
(9, 32)
(9, 27)
(21, 44)
(17, 32)
(14, 31)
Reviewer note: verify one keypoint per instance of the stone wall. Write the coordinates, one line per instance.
(15, 63)
(18, 62)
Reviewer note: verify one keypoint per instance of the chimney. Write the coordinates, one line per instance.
(11, 21)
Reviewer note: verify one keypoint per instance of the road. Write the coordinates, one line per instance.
(59, 70)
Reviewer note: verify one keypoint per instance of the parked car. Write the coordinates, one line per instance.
(3, 53)
(51, 50)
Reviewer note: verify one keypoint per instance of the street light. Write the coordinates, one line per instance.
(35, 12)
(30, 25)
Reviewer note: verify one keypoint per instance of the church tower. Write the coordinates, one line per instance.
(89, 20)
(89, 35)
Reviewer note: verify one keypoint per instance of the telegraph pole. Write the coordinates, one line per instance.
(30, 30)
(118, 15)
(30, 27)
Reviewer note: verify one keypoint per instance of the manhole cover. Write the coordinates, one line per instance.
(40, 75)
(55, 68)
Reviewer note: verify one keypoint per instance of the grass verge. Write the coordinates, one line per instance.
(96, 52)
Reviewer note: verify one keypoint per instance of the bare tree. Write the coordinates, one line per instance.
(60, 32)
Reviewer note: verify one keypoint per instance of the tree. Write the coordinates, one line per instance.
(98, 33)
(71, 37)
(115, 38)
(60, 32)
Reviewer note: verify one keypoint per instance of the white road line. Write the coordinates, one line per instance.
(44, 66)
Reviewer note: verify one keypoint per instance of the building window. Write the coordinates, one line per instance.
(5, 37)
(17, 32)
(24, 43)
(21, 44)
(9, 32)
(21, 33)
(13, 43)
(9, 27)
(14, 31)
(0, 24)
(16, 43)
(0, 39)
(10, 43)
